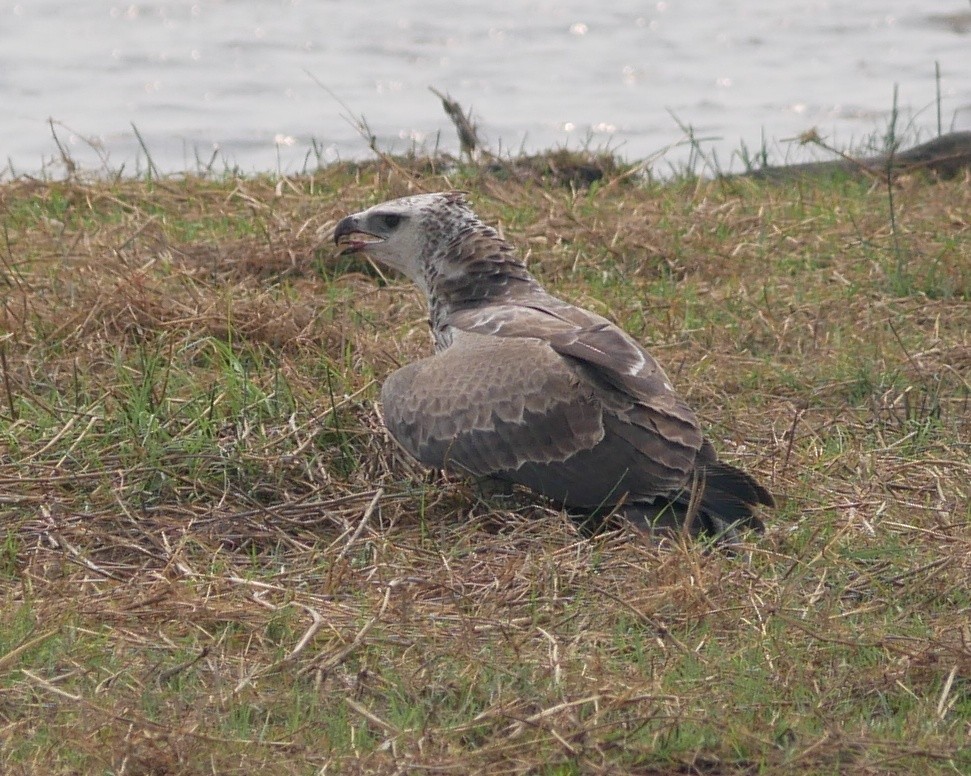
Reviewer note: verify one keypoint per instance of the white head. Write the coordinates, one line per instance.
(411, 234)
(440, 244)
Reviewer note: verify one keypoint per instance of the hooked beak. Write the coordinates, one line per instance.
(351, 237)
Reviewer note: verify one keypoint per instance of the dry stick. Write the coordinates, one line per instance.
(360, 526)
(893, 143)
(11, 657)
(69, 163)
(910, 358)
(50, 687)
(6, 380)
(169, 673)
(694, 502)
(308, 634)
(942, 705)
(325, 663)
(800, 411)
(152, 169)
(554, 656)
(64, 544)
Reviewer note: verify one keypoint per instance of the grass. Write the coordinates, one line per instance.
(214, 561)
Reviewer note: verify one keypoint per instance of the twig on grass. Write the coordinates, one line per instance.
(10, 657)
(152, 169)
(174, 671)
(50, 687)
(6, 380)
(69, 163)
(360, 527)
(325, 662)
(75, 553)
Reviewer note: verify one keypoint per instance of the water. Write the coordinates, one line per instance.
(238, 81)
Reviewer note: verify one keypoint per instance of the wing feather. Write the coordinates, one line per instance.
(491, 407)
(629, 381)
(527, 395)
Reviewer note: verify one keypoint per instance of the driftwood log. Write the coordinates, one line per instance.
(945, 156)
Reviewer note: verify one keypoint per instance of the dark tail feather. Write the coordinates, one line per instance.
(730, 500)
(731, 496)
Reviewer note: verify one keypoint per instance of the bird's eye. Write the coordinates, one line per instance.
(391, 220)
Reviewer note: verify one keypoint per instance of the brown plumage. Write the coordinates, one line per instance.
(529, 389)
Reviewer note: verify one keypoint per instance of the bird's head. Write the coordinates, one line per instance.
(439, 243)
(412, 235)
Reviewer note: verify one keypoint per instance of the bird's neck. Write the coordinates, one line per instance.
(487, 274)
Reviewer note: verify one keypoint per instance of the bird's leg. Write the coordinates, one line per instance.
(493, 488)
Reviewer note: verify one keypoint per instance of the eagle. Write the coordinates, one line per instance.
(525, 388)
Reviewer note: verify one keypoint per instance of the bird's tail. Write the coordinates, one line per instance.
(732, 497)
(721, 500)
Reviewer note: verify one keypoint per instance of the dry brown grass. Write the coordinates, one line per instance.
(215, 562)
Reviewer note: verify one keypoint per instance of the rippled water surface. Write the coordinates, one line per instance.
(240, 80)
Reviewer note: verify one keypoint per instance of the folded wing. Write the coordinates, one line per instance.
(579, 413)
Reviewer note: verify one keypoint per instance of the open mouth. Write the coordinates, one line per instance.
(352, 242)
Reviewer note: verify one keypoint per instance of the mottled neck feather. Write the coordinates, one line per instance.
(476, 268)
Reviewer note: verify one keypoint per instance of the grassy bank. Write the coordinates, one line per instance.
(214, 561)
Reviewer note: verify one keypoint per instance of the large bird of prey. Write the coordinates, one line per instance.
(526, 388)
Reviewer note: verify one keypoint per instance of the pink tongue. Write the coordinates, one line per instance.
(353, 246)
